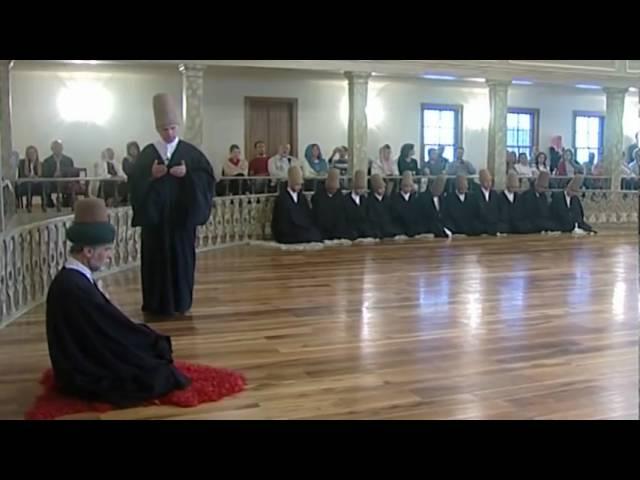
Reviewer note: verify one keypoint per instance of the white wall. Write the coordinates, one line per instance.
(322, 109)
(37, 121)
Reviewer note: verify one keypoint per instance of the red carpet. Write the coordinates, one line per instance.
(208, 384)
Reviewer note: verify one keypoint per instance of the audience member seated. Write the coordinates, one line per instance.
(432, 203)
(259, 166)
(522, 168)
(406, 162)
(568, 166)
(342, 160)
(541, 164)
(58, 165)
(356, 208)
(511, 162)
(631, 150)
(280, 163)
(385, 165)
(407, 209)
(107, 168)
(588, 166)
(535, 204)
(380, 210)
(328, 208)
(460, 166)
(128, 162)
(566, 208)
(97, 353)
(461, 210)
(435, 165)
(292, 221)
(235, 166)
(29, 167)
(444, 160)
(489, 216)
(315, 165)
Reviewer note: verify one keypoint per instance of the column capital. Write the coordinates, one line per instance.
(615, 90)
(497, 83)
(192, 69)
(358, 77)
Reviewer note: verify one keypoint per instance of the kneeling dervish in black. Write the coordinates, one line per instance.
(97, 353)
(536, 211)
(380, 214)
(432, 202)
(356, 209)
(327, 206)
(292, 221)
(462, 210)
(510, 207)
(407, 208)
(566, 209)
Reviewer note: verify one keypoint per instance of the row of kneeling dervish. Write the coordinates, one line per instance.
(334, 215)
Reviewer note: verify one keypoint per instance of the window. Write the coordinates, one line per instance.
(441, 126)
(522, 130)
(588, 133)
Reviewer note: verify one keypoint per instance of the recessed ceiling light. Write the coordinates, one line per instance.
(439, 77)
(521, 82)
(476, 79)
(588, 87)
(633, 89)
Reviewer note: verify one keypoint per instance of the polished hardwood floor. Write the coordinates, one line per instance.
(487, 328)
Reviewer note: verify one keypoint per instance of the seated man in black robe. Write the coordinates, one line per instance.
(510, 208)
(566, 209)
(462, 210)
(97, 353)
(536, 211)
(380, 214)
(432, 202)
(292, 221)
(327, 207)
(488, 201)
(407, 208)
(356, 209)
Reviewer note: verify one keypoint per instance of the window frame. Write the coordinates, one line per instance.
(535, 130)
(458, 124)
(586, 113)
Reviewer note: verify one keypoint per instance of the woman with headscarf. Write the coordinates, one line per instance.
(385, 166)
(314, 166)
(29, 167)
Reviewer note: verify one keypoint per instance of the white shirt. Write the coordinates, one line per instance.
(166, 149)
(293, 194)
(523, 170)
(510, 196)
(436, 202)
(567, 198)
(74, 264)
(461, 196)
(485, 193)
(356, 198)
(405, 195)
(379, 197)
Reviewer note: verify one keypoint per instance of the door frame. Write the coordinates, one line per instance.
(248, 146)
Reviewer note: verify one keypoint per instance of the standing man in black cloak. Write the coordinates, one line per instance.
(379, 213)
(171, 194)
(328, 208)
(292, 221)
(488, 200)
(97, 353)
(566, 208)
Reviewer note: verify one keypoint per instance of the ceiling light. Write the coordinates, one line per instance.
(439, 77)
(588, 87)
(521, 82)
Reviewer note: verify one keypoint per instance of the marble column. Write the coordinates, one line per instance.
(7, 169)
(613, 134)
(358, 128)
(193, 102)
(497, 148)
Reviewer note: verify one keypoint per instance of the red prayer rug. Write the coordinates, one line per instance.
(208, 384)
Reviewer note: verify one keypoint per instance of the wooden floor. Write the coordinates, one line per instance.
(489, 328)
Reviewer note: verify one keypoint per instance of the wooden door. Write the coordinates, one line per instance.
(272, 120)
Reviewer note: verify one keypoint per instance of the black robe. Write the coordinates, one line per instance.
(357, 218)
(565, 217)
(511, 217)
(169, 209)
(329, 214)
(407, 214)
(381, 217)
(462, 217)
(489, 212)
(292, 222)
(432, 216)
(536, 213)
(98, 354)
